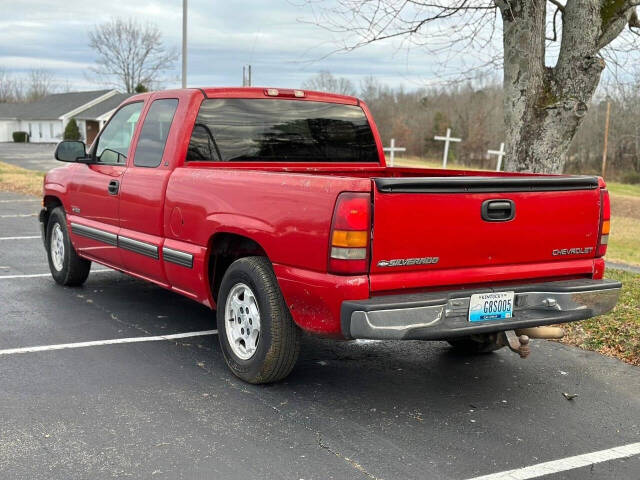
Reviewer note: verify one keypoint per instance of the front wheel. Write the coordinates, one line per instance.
(67, 268)
(258, 337)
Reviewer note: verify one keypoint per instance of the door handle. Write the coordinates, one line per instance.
(114, 186)
(498, 210)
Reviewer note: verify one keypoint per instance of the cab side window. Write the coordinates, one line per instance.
(114, 141)
(155, 131)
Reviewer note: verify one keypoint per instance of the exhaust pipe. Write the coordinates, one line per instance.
(542, 332)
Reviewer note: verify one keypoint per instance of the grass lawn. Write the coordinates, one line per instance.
(616, 334)
(624, 241)
(623, 189)
(20, 180)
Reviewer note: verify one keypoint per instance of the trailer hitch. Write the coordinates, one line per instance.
(517, 344)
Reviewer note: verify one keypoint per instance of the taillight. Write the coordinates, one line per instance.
(605, 223)
(350, 232)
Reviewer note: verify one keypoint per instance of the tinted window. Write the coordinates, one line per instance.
(155, 131)
(114, 141)
(248, 130)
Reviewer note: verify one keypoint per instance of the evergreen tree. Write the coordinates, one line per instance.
(71, 131)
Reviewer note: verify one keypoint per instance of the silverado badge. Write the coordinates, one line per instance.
(404, 262)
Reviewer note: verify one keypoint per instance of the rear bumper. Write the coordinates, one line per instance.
(443, 315)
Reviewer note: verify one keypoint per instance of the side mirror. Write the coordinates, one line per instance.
(70, 151)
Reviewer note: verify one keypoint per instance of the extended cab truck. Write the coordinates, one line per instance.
(276, 209)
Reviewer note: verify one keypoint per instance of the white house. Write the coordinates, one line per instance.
(46, 119)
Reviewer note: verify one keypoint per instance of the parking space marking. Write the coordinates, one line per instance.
(65, 346)
(564, 464)
(19, 215)
(39, 275)
(20, 200)
(29, 237)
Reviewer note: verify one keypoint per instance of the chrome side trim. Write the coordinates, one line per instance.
(136, 246)
(178, 257)
(94, 234)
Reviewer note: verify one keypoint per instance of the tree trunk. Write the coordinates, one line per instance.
(544, 106)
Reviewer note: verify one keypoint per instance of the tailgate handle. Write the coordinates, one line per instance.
(498, 210)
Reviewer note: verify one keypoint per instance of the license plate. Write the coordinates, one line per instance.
(491, 306)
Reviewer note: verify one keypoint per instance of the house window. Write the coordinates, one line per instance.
(51, 130)
(29, 129)
(40, 129)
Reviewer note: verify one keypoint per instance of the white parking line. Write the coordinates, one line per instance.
(29, 237)
(564, 464)
(19, 215)
(64, 346)
(20, 200)
(38, 275)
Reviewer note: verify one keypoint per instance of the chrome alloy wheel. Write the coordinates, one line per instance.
(242, 321)
(57, 247)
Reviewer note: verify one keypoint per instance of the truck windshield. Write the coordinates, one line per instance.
(274, 130)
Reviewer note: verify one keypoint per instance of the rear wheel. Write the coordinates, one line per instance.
(475, 344)
(67, 268)
(258, 337)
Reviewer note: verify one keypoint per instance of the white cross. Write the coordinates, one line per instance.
(500, 154)
(392, 149)
(448, 138)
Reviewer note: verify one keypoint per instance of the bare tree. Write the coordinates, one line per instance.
(131, 53)
(10, 87)
(39, 85)
(543, 104)
(326, 82)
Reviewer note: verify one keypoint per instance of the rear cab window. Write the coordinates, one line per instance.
(270, 130)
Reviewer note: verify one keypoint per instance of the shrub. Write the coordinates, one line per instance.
(631, 177)
(20, 137)
(71, 131)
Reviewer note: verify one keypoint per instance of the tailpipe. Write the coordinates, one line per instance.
(541, 332)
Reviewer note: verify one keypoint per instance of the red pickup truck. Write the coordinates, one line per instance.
(275, 208)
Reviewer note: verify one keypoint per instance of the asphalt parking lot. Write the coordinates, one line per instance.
(169, 408)
(33, 156)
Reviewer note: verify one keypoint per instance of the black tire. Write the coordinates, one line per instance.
(475, 345)
(278, 343)
(74, 269)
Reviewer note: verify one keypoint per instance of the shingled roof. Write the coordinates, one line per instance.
(98, 110)
(50, 107)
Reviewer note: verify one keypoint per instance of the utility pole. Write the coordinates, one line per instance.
(606, 139)
(184, 43)
(246, 75)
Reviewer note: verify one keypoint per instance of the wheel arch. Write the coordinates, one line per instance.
(49, 202)
(224, 248)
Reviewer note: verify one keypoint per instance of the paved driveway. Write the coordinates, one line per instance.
(167, 407)
(34, 156)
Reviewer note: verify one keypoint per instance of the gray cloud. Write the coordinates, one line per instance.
(223, 36)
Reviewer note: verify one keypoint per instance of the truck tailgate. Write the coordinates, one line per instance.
(435, 223)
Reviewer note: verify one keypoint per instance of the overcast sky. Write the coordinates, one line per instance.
(271, 35)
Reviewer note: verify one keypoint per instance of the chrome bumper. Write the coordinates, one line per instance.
(442, 315)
